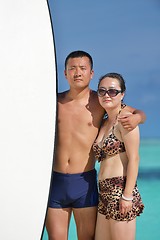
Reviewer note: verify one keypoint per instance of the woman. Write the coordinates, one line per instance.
(117, 150)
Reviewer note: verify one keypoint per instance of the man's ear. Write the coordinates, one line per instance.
(92, 73)
(65, 73)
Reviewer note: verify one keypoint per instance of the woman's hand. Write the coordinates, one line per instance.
(124, 206)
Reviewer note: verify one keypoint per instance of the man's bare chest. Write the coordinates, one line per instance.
(75, 116)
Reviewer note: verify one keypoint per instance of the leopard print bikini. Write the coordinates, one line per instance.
(110, 192)
(111, 145)
(111, 189)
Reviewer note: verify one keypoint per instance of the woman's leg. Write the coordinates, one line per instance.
(102, 228)
(123, 230)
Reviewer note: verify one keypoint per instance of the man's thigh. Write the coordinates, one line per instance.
(57, 223)
(85, 219)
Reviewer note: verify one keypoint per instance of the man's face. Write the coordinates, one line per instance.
(78, 72)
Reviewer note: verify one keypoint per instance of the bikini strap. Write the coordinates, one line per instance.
(123, 105)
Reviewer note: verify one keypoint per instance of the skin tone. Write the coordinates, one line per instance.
(122, 164)
(79, 119)
(80, 110)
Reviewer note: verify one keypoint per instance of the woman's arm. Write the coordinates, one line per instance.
(131, 141)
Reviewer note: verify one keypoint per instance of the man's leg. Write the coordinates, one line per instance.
(85, 219)
(57, 223)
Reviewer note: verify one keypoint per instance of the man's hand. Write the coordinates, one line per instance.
(129, 121)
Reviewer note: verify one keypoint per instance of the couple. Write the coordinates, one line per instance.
(74, 182)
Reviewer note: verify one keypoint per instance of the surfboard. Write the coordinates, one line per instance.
(27, 117)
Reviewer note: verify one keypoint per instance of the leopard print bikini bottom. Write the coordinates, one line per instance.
(110, 192)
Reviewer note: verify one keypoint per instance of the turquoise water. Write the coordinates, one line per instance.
(148, 224)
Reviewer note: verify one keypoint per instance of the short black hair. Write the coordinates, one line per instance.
(78, 54)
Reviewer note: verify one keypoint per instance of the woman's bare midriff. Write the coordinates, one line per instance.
(114, 166)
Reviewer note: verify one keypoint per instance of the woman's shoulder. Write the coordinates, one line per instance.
(126, 110)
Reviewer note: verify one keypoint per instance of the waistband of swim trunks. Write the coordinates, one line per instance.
(90, 172)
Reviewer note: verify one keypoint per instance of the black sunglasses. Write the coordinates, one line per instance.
(111, 92)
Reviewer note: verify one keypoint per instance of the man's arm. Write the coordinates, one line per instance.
(131, 119)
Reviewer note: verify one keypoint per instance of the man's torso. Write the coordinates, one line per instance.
(78, 124)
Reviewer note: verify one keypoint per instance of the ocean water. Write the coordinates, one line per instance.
(148, 224)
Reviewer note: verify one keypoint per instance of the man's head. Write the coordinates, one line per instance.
(79, 54)
(78, 69)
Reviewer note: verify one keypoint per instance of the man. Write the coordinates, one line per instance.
(74, 187)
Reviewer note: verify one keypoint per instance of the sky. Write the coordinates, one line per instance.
(121, 36)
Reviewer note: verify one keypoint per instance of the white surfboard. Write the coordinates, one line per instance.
(27, 117)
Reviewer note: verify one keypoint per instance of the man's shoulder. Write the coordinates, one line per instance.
(93, 94)
(93, 97)
(62, 95)
(93, 91)
(97, 108)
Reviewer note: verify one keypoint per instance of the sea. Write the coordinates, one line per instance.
(148, 223)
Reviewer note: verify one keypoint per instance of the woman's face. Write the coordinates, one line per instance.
(109, 93)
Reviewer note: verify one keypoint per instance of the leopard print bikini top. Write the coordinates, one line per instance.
(111, 145)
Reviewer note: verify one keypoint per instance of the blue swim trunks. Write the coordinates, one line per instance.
(73, 190)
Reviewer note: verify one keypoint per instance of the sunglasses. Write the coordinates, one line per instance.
(111, 92)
